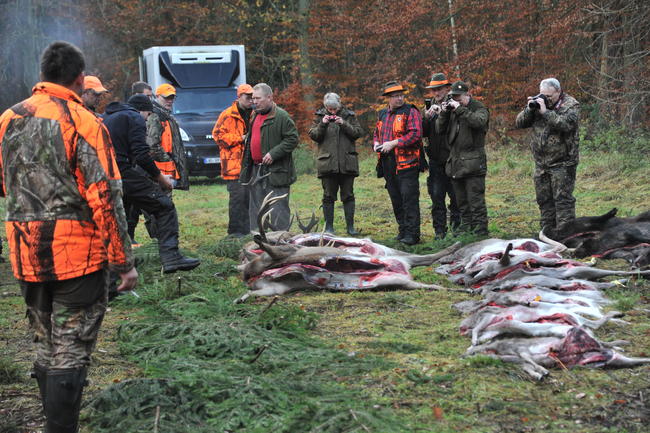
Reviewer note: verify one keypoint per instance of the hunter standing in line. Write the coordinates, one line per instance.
(268, 158)
(554, 117)
(143, 184)
(230, 133)
(398, 141)
(132, 211)
(164, 138)
(167, 150)
(65, 224)
(93, 92)
(438, 183)
(335, 129)
(465, 122)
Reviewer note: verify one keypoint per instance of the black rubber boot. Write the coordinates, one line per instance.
(177, 262)
(328, 213)
(63, 399)
(348, 209)
(40, 374)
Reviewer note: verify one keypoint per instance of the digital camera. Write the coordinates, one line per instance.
(534, 105)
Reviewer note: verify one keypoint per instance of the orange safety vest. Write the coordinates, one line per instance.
(405, 157)
(167, 167)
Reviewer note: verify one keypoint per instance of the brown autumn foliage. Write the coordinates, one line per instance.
(598, 49)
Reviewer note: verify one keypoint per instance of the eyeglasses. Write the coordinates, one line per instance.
(170, 97)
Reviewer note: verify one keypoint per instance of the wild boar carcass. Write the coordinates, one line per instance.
(573, 232)
(609, 236)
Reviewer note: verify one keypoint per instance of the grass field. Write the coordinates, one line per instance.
(183, 358)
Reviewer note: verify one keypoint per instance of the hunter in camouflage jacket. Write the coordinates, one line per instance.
(167, 149)
(554, 141)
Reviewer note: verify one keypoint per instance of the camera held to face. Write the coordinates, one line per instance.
(534, 105)
(445, 104)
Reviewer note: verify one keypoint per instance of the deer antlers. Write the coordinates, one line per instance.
(307, 228)
(256, 177)
(264, 214)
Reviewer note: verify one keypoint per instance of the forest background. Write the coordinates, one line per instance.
(598, 49)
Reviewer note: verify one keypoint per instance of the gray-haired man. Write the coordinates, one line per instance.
(335, 129)
(554, 117)
(268, 157)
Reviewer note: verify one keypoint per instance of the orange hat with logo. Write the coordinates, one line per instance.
(91, 82)
(244, 89)
(165, 90)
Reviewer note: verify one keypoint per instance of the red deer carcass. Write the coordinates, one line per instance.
(278, 263)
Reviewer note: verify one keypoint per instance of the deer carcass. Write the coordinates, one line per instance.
(301, 262)
(535, 355)
(530, 295)
(539, 319)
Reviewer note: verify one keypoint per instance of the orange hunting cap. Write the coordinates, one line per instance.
(244, 89)
(165, 90)
(392, 87)
(91, 82)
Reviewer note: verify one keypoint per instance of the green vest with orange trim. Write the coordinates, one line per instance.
(405, 157)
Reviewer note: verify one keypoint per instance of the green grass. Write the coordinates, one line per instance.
(386, 361)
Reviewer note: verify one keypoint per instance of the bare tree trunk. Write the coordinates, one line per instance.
(306, 75)
(602, 90)
(454, 44)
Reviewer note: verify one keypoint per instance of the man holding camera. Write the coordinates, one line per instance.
(398, 141)
(438, 183)
(335, 129)
(554, 117)
(465, 121)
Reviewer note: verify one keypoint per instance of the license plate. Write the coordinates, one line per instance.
(211, 160)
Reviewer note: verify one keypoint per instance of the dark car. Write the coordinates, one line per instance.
(197, 111)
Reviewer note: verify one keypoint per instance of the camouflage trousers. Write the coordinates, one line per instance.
(65, 317)
(554, 193)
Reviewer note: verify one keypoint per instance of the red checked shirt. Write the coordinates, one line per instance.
(413, 129)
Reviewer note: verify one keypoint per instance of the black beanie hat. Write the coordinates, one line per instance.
(140, 102)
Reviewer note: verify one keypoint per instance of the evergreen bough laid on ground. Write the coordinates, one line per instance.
(212, 366)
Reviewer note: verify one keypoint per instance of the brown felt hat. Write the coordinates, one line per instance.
(392, 87)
